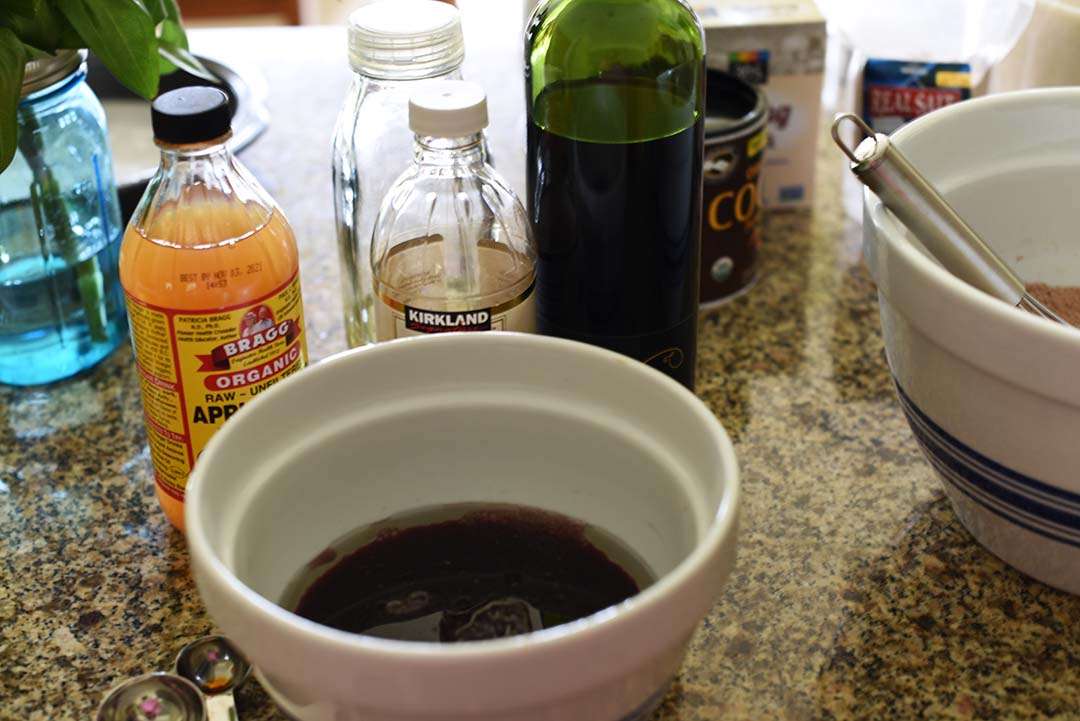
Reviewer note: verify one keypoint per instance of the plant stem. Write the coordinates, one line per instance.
(51, 211)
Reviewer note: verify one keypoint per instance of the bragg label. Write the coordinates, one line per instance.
(197, 368)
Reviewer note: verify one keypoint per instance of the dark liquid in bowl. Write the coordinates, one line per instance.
(466, 572)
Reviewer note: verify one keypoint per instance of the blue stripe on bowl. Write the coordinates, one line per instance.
(1049, 511)
(991, 467)
(948, 459)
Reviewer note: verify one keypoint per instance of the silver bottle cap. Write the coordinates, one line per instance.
(51, 69)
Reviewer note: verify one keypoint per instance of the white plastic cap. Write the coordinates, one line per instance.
(405, 39)
(448, 109)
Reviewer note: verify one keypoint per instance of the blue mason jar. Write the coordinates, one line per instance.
(61, 305)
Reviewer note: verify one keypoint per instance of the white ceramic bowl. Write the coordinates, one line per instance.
(991, 392)
(479, 417)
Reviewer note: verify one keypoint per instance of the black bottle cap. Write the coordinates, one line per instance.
(194, 114)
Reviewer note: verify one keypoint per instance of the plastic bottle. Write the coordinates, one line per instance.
(452, 249)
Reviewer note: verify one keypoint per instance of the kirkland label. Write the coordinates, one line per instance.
(398, 320)
(197, 368)
(435, 321)
(898, 91)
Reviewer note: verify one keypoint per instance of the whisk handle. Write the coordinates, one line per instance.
(879, 164)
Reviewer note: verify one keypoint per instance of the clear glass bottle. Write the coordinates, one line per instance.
(452, 249)
(392, 44)
(61, 308)
(210, 269)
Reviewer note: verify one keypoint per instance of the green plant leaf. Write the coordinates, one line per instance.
(170, 35)
(121, 33)
(12, 66)
(34, 21)
(22, 7)
(67, 37)
(172, 32)
(183, 59)
(173, 50)
(163, 10)
(33, 53)
(165, 40)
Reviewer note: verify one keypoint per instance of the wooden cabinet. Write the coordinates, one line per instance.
(287, 11)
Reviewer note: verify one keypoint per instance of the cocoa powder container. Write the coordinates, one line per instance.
(735, 140)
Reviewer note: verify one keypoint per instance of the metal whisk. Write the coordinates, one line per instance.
(878, 163)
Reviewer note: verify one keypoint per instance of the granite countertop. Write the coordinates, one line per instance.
(857, 594)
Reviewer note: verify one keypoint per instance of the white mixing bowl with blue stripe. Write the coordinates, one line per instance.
(992, 393)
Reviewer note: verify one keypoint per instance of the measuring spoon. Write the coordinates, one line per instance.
(216, 668)
(153, 697)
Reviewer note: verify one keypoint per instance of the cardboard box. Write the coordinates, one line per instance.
(779, 45)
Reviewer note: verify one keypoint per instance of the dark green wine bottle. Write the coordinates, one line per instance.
(616, 100)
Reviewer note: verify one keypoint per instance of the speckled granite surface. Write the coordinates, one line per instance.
(857, 593)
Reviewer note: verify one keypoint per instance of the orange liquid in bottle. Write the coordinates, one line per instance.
(207, 253)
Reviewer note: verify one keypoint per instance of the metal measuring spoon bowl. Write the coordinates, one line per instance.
(216, 667)
(153, 697)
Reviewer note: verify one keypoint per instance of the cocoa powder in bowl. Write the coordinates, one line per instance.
(1062, 299)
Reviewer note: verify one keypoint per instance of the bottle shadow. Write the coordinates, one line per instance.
(762, 332)
(812, 318)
